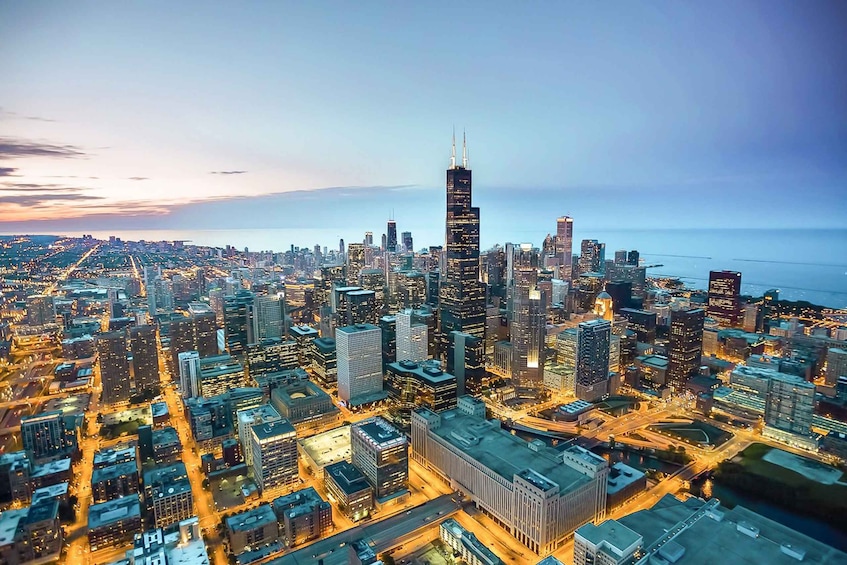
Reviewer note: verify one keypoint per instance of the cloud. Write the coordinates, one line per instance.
(227, 172)
(14, 148)
(16, 116)
(35, 187)
(40, 199)
(8, 172)
(137, 178)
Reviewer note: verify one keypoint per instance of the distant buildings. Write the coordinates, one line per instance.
(724, 298)
(114, 367)
(40, 310)
(238, 321)
(145, 357)
(540, 495)
(592, 359)
(685, 347)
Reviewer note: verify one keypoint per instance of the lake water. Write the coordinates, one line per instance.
(804, 264)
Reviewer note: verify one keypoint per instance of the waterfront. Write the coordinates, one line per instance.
(806, 265)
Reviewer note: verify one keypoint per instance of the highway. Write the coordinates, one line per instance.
(381, 536)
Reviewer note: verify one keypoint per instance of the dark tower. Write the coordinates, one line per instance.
(462, 295)
(685, 345)
(391, 237)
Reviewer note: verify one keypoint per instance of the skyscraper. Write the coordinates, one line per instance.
(408, 245)
(40, 310)
(685, 346)
(238, 321)
(381, 453)
(189, 374)
(411, 338)
(268, 316)
(592, 256)
(197, 332)
(145, 357)
(462, 295)
(528, 318)
(564, 245)
(391, 237)
(359, 358)
(114, 367)
(355, 262)
(592, 359)
(274, 451)
(724, 303)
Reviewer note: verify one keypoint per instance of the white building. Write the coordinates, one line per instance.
(359, 357)
(274, 452)
(248, 418)
(189, 374)
(411, 338)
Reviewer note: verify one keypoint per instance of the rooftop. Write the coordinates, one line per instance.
(328, 447)
(297, 503)
(106, 513)
(51, 468)
(426, 371)
(347, 477)
(379, 432)
(621, 476)
(504, 453)
(48, 492)
(271, 430)
(9, 521)
(159, 409)
(611, 532)
(251, 519)
(657, 361)
(357, 328)
(110, 472)
(165, 436)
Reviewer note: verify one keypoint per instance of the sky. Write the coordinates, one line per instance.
(205, 115)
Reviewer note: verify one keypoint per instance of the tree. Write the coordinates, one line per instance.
(387, 559)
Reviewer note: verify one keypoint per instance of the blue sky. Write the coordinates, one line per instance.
(203, 115)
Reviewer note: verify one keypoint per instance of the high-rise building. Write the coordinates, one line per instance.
(790, 403)
(381, 453)
(268, 316)
(620, 257)
(408, 244)
(413, 385)
(359, 358)
(528, 318)
(592, 359)
(685, 347)
(391, 237)
(238, 321)
(642, 322)
(369, 238)
(374, 280)
(621, 293)
(466, 360)
(592, 256)
(114, 367)
(355, 262)
(197, 332)
(564, 246)
(40, 310)
(462, 295)
(770, 307)
(189, 373)
(44, 435)
(246, 419)
(272, 355)
(836, 365)
(724, 303)
(274, 451)
(145, 357)
(632, 258)
(411, 338)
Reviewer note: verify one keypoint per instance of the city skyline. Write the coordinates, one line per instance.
(608, 113)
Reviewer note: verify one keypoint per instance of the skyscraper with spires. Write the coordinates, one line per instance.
(462, 295)
(391, 237)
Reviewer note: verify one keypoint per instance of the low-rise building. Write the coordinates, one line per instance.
(349, 489)
(381, 453)
(184, 546)
(114, 481)
(168, 494)
(609, 543)
(303, 516)
(31, 535)
(252, 529)
(114, 523)
(304, 404)
(466, 544)
(167, 448)
(623, 483)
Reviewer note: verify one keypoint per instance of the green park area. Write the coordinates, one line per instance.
(694, 433)
(816, 491)
(120, 429)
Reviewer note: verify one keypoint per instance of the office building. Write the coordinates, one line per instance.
(197, 332)
(249, 417)
(114, 523)
(374, 280)
(304, 403)
(621, 294)
(274, 452)
(466, 361)
(642, 322)
(411, 385)
(790, 403)
(528, 318)
(462, 295)
(40, 310)
(724, 303)
(696, 531)
(189, 374)
(592, 257)
(836, 365)
(592, 359)
(323, 361)
(31, 534)
(145, 357)
(272, 355)
(411, 338)
(349, 489)
(538, 494)
(564, 246)
(114, 367)
(219, 374)
(381, 453)
(252, 529)
(168, 494)
(44, 435)
(391, 237)
(167, 448)
(408, 245)
(685, 345)
(114, 481)
(303, 516)
(359, 358)
(238, 321)
(268, 316)
(355, 262)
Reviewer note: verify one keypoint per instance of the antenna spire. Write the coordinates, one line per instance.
(453, 156)
(464, 150)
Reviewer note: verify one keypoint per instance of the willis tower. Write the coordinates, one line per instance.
(462, 296)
